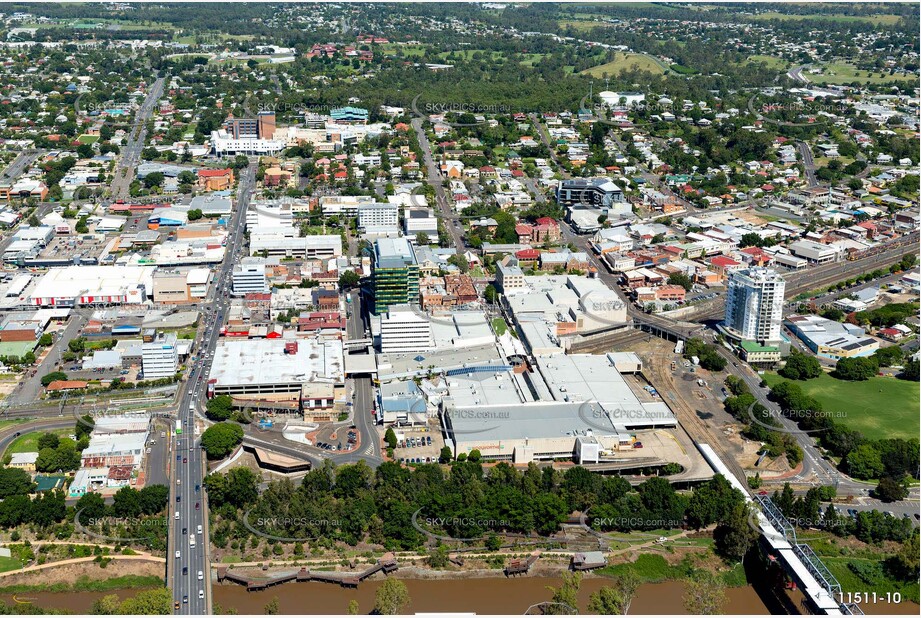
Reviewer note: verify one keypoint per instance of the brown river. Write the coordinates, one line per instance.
(484, 596)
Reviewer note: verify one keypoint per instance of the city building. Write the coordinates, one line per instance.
(275, 366)
(405, 331)
(379, 219)
(160, 357)
(395, 274)
(754, 305)
(349, 115)
(249, 277)
(420, 220)
(589, 193)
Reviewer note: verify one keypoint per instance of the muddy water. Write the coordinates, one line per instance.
(483, 596)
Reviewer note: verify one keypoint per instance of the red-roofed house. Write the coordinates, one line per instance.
(215, 180)
(546, 229)
(524, 232)
(724, 265)
(756, 256)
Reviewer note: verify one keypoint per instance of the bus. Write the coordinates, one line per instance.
(178, 426)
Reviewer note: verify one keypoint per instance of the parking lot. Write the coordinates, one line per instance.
(417, 445)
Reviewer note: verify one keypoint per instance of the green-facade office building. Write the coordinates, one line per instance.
(395, 278)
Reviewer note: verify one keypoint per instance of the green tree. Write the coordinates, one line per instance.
(15, 482)
(864, 462)
(390, 438)
(734, 535)
(445, 454)
(801, 367)
(615, 599)
(353, 608)
(422, 239)
(890, 490)
(856, 369)
(490, 294)
(348, 279)
(54, 376)
(219, 408)
(681, 279)
(156, 602)
(705, 593)
(220, 439)
(391, 598)
(566, 597)
(271, 608)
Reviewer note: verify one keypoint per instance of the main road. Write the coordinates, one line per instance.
(190, 512)
(433, 175)
(131, 154)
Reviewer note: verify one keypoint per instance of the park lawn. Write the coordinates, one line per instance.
(9, 564)
(845, 73)
(582, 25)
(28, 443)
(499, 325)
(772, 62)
(88, 139)
(407, 50)
(623, 62)
(878, 408)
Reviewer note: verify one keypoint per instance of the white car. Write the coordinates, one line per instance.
(177, 514)
(201, 576)
(199, 528)
(201, 594)
(178, 553)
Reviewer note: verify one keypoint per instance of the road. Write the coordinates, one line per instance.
(29, 389)
(131, 153)
(20, 164)
(433, 175)
(808, 163)
(190, 515)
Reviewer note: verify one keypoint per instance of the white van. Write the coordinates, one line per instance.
(191, 540)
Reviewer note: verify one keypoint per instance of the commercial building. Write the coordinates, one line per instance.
(420, 220)
(114, 449)
(589, 193)
(509, 276)
(405, 331)
(577, 407)
(379, 219)
(343, 204)
(223, 143)
(275, 366)
(395, 274)
(284, 242)
(82, 285)
(248, 277)
(180, 287)
(754, 305)
(349, 115)
(815, 252)
(830, 339)
(160, 357)
(212, 205)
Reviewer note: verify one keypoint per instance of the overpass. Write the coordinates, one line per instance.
(819, 586)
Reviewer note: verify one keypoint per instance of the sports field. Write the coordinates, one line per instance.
(878, 408)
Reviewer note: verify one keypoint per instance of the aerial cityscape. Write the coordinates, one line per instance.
(461, 308)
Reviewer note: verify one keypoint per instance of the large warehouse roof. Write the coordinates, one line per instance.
(256, 362)
(74, 281)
